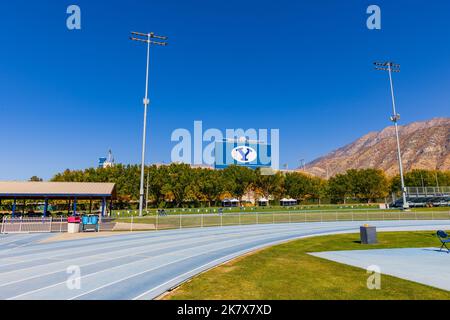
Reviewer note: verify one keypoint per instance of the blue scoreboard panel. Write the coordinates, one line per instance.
(252, 155)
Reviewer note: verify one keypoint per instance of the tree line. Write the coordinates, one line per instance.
(180, 185)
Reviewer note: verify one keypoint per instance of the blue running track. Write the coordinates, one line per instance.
(144, 265)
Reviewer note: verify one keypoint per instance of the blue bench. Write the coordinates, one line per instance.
(444, 238)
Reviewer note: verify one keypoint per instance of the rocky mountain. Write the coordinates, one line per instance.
(424, 145)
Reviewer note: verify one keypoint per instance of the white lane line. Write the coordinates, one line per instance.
(341, 226)
(148, 270)
(16, 247)
(137, 252)
(31, 238)
(58, 247)
(58, 252)
(115, 267)
(12, 241)
(237, 254)
(107, 258)
(160, 234)
(63, 251)
(54, 255)
(218, 261)
(199, 254)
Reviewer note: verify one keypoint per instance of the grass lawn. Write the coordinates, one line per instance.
(299, 207)
(286, 271)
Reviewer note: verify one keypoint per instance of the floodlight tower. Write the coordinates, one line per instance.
(147, 38)
(393, 67)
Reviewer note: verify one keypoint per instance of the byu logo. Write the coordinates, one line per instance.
(374, 21)
(374, 280)
(74, 20)
(244, 154)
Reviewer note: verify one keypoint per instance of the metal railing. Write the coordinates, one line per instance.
(33, 225)
(427, 191)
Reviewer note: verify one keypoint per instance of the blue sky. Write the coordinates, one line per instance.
(304, 67)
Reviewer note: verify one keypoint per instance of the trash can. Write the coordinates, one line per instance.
(368, 234)
(73, 224)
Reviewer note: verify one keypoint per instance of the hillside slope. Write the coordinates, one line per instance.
(424, 145)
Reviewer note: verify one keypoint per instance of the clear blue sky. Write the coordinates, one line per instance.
(304, 67)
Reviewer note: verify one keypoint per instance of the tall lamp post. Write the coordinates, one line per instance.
(148, 38)
(392, 67)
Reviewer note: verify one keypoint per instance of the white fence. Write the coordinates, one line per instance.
(180, 221)
(33, 225)
(427, 191)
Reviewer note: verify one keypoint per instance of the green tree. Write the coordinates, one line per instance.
(210, 185)
(297, 185)
(370, 184)
(339, 187)
(318, 188)
(364, 185)
(269, 185)
(178, 183)
(238, 180)
(156, 180)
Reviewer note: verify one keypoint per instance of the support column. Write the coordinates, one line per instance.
(45, 207)
(14, 208)
(68, 207)
(110, 206)
(74, 206)
(90, 206)
(103, 206)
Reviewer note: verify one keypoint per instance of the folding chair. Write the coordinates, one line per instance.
(444, 238)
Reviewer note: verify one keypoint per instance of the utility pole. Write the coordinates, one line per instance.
(392, 67)
(148, 39)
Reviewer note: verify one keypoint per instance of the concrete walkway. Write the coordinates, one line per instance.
(428, 266)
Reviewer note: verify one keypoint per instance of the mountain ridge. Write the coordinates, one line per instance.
(424, 145)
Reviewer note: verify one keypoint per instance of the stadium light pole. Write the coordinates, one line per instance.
(148, 39)
(146, 191)
(393, 67)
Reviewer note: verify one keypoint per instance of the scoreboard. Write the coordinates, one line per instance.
(247, 154)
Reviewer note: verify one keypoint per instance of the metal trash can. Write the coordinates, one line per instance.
(368, 234)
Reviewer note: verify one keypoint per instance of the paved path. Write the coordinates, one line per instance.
(146, 264)
(424, 265)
